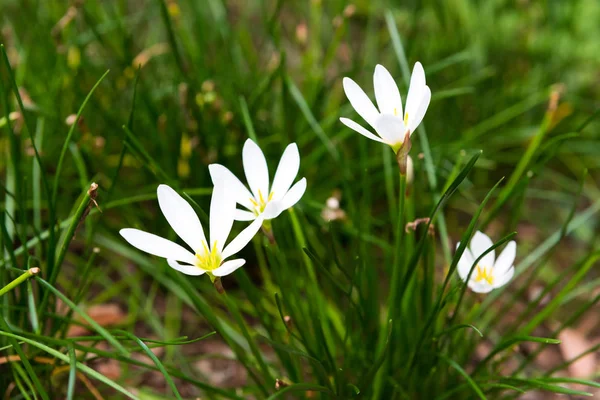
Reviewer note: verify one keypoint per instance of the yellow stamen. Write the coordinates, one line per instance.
(208, 260)
(213, 251)
(395, 112)
(405, 118)
(206, 251)
(261, 204)
(484, 275)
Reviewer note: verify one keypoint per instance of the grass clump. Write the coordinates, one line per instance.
(355, 291)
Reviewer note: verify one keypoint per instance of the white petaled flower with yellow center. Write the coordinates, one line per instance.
(390, 121)
(208, 256)
(490, 272)
(263, 199)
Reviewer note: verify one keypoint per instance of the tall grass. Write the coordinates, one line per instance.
(128, 95)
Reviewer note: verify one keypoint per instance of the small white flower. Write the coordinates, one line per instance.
(390, 123)
(262, 199)
(207, 257)
(490, 273)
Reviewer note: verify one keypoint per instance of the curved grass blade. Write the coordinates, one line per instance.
(96, 353)
(72, 373)
(511, 342)
(82, 367)
(458, 327)
(540, 384)
(301, 387)
(468, 378)
(155, 359)
(585, 382)
(68, 138)
(6, 331)
(105, 334)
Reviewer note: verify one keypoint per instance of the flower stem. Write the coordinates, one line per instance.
(395, 284)
(22, 278)
(86, 204)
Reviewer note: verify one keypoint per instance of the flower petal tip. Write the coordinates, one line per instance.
(162, 187)
(379, 68)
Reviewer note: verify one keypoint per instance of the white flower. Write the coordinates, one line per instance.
(262, 199)
(490, 273)
(207, 257)
(390, 123)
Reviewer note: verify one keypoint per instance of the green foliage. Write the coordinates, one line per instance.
(356, 307)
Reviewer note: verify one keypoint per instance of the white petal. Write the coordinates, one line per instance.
(386, 92)
(220, 174)
(391, 129)
(501, 280)
(286, 172)
(222, 210)
(354, 126)
(184, 268)
(479, 244)
(465, 263)
(181, 216)
(415, 90)
(272, 210)
(242, 239)
(241, 215)
(419, 113)
(480, 287)
(228, 267)
(293, 195)
(255, 168)
(360, 101)
(156, 245)
(505, 259)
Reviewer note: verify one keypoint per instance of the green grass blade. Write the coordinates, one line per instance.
(12, 339)
(468, 378)
(110, 338)
(301, 387)
(82, 367)
(68, 138)
(156, 361)
(72, 373)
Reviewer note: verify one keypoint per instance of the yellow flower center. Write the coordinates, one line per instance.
(405, 118)
(207, 259)
(260, 203)
(484, 275)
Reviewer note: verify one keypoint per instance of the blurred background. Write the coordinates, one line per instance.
(212, 73)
